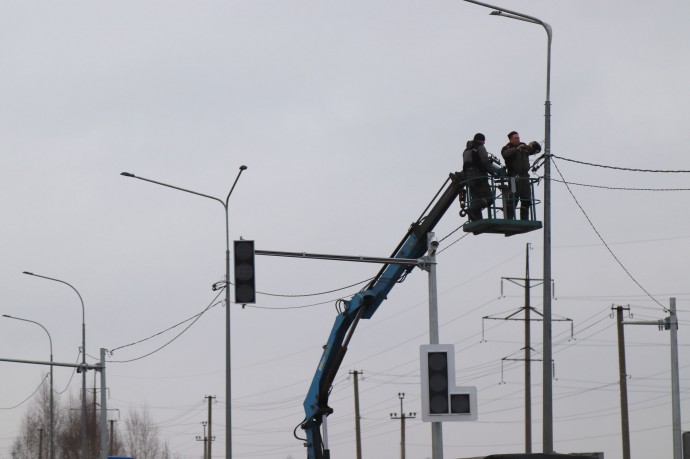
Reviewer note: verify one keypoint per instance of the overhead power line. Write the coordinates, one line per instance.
(620, 263)
(314, 294)
(27, 398)
(628, 169)
(194, 318)
(618, 188)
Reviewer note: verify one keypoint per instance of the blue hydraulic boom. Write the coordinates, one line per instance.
(365, 303)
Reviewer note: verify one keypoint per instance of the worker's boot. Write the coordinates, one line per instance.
(524, 213)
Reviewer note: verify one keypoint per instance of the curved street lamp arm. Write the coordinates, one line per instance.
(81, 300)
(50, 339)
(501, 10)
(242, 169)
(128, 174)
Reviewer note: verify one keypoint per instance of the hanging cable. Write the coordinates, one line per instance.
(193, 319)
(27, 398)
(619, 188)
(453, 243)
(74, 371)
(314, 294)
(628, 169)
(604, 242)
(253, 306)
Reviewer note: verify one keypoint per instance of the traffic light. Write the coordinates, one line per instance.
(441, 399)
(437, 364)
(245, 285)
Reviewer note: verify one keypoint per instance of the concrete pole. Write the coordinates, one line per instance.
(40, 443)
(402, 417)
(402, 431)
(203, 439)
(358, 431)
(210, 436)
(675, 383)
(104, 410)
(112, 437)
(625, 426)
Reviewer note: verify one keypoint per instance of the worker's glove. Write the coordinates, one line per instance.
(494, 159)
(535, 146)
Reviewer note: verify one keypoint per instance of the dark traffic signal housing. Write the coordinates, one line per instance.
(245, 285)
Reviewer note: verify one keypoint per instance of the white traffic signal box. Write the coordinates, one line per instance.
(442, 401)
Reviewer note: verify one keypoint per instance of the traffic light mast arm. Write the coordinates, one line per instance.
(362, 306)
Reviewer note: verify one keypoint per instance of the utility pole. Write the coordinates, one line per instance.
(527, 308)
(40, 443)
(210, 437)
(402, 417)
(358, 432)
(112, 436)
(672, 326)
(204, 439)
(623, 381)
(93, 414)
(671, 323)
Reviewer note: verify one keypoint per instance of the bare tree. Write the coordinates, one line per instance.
(68, 436)
(142, 439)
(35, 427)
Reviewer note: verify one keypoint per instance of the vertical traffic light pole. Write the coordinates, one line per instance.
(228, 416)
(436, 427)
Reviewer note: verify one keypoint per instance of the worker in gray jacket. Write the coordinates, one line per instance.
(477, 165)
(516, 155)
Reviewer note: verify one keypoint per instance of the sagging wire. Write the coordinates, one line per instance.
(27, 398)
(627, 169)
(74, 371)
(618, 188)
(194, 319)
(315, 294)
(253, 306)
(604, 242)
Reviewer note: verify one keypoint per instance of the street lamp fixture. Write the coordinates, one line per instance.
(83, 368)
(51, 429)
(547, 372)
(228, 417)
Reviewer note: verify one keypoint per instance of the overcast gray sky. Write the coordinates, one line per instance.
(349, 116)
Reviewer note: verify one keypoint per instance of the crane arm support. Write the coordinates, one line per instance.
(362, 306)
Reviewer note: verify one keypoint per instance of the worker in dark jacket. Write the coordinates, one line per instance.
(516, 155)
(476, 165)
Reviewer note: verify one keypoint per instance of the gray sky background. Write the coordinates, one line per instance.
(349, 116)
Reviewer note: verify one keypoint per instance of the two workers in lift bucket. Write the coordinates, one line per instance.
(475, 191)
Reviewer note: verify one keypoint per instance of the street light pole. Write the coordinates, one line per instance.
(83, 359)
(547, 372)
(51, 427)
(228, 417)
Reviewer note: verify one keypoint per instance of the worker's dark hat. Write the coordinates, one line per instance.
(479, 136)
